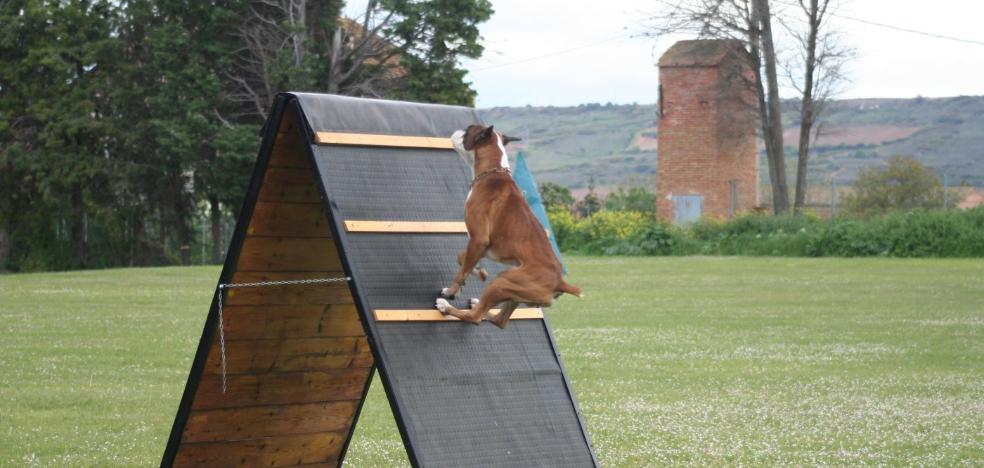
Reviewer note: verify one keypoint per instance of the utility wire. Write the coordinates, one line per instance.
(913, 31)
(622, 35)
(893, 27)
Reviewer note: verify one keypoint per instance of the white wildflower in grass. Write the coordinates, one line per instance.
(674, 361)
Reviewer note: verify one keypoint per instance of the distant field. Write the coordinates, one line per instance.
(615, 144)
(737, 361)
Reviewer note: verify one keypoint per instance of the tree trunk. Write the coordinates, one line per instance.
(216, 220)
(807, 114)
(79, 247)
(6, 242)
(184, 231)
(780, 192)
(763, 113)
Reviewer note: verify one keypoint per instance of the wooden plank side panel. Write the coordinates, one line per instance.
(297, 294)
(289, 123)
(288, 149)
(268, 421)
(289, 185)
(427, 315)
(266, 254)
(406, 226)
(279, 388)
(366, 139)
(292, 321)
(288, 355)
(269, 452)
(289, 220)
(289, 152)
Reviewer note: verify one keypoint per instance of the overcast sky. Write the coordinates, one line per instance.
(549, 52)
(606, 58)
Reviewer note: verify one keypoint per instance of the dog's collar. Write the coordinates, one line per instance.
(488, 173)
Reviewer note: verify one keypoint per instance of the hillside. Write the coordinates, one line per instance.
(616, 143)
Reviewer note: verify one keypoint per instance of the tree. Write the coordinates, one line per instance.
(591, 202)
(770, 106)
(54, 82)
(430, 46)
(821, 59)
(396, 48)
(631, 199)
(903, 184)
(124, 123)
(555, 195)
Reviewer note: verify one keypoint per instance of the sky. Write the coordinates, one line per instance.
(562, 53)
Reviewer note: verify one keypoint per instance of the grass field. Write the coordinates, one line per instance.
(754, 361)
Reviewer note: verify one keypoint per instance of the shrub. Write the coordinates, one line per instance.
(564, 225)
(904, 184)
(632, 199)
(606, 228)
(652, 239)
(757, 235)
(917, 233)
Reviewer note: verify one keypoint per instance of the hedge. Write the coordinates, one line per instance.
(917, 233)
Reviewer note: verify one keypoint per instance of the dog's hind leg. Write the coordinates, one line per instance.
(494, 294)
(502, 318)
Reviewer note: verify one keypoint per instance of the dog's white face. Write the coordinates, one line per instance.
(458, 141)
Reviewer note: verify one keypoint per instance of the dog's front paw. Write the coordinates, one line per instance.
(446, 295)
(473, 302)
(442, 305)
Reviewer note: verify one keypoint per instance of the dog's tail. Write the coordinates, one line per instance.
(570, 289)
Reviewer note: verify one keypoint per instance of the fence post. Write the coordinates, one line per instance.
(733, 185)
(946, 192)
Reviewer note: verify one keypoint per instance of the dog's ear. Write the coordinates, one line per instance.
(506, 139)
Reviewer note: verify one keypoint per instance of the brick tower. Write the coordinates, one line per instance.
(707, 120)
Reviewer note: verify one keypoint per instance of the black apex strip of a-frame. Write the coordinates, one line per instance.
(300, 357)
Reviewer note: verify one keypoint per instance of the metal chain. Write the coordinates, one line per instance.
(223, 287)
(222, 340)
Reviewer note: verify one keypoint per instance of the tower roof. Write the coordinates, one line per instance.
(699, 52)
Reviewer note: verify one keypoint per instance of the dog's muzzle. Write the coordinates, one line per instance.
(458, 141)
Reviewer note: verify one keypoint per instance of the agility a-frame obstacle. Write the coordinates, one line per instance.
(370, 192)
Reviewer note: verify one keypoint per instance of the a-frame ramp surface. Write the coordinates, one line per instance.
(371, 190)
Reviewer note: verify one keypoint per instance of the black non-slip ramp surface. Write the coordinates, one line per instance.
(462, 395)
(467, 395)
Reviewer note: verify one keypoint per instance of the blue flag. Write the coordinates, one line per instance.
(524, 179)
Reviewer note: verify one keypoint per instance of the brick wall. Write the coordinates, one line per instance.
(706, 133)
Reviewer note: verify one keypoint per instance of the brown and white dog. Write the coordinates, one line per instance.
(502, 227)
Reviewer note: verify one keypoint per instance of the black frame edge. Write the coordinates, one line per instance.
(570, 389)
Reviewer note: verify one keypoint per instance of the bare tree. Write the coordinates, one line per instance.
(777, 158)
(359, 56)
(820, 58)
(750, 22)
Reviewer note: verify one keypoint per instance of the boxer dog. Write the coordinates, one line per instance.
(501, 227)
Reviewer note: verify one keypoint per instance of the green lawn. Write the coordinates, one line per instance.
(686, 361)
